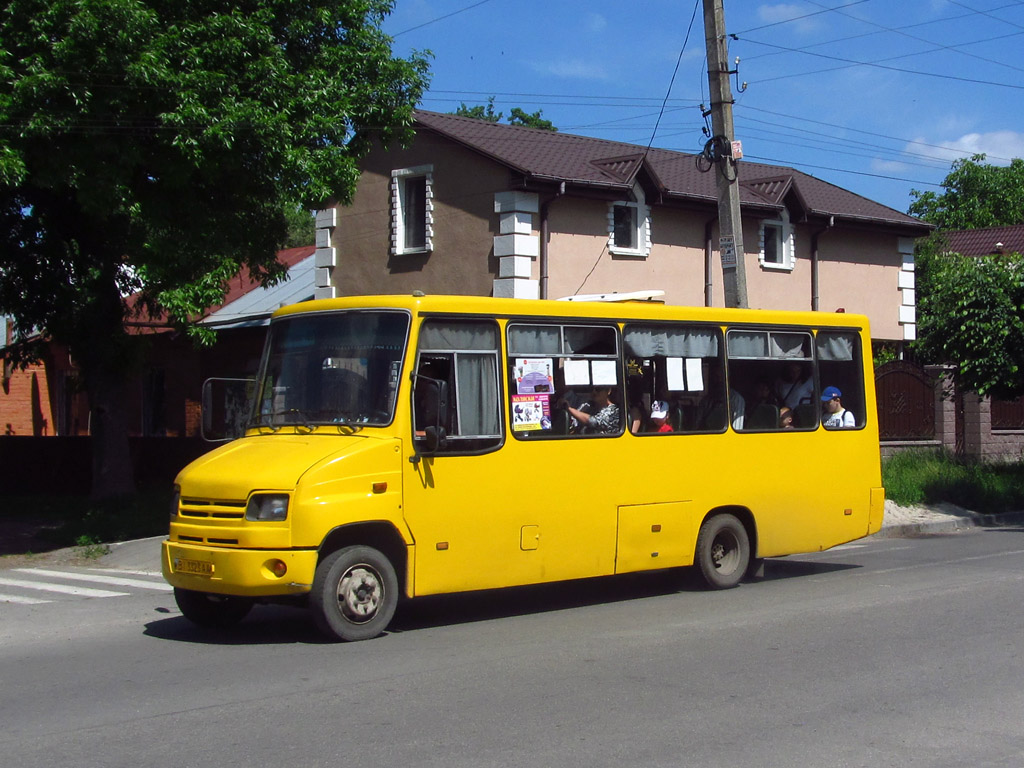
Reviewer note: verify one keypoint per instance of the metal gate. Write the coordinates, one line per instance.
(906, 402)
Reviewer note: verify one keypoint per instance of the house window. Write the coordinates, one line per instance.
(412, 210)
(777, 243)
(629, 227)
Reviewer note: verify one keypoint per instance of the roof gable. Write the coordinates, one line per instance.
(582, 161)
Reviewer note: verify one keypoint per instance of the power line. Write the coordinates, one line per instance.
(876, 65)
(441, 18)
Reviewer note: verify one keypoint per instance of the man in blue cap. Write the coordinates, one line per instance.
(835, 416)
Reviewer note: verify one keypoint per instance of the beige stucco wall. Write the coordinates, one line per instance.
(462, 261)
(858, 269)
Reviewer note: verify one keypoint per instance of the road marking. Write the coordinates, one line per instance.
(64, 590)
(22, 600)
(125, 571)
(113, 581)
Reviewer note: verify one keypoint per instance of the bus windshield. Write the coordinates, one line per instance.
(332, 368)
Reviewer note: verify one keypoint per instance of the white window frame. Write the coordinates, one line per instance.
(399, 184)
(642, 235)
(782, 231)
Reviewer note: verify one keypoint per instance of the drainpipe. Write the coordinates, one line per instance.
(544, 233)
(708, 265)
(814, 262)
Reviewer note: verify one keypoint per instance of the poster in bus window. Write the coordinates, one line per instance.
(533, 376)
(531, 412)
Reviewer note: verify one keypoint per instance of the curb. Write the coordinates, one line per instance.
(952, 525)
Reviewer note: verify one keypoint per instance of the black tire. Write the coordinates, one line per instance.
(723, 551)
(355, 593)
(206, 610)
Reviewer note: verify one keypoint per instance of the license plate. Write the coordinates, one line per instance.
(195, 567)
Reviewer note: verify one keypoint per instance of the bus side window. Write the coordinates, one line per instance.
(839, 371)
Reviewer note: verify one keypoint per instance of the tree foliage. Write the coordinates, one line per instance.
(154, 147)
(971, 309)
(971, 316)
(976, 195)
(517, 116)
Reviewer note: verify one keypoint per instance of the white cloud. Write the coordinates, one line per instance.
(772, 14)
(878, 165)
(576, 69)
(999, 146)
(596, 22)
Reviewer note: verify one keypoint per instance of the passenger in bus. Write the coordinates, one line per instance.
(659, 417)
(599, 415)
(713, 404)
(785, 417)
(794, 386)
(763, 395)
(835, 416)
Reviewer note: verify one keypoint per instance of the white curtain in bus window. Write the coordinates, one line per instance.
(748, 344)
(835, 346)
(789, 345)
(647, 341)
(450, 336)
(536, 340)
(477, 389)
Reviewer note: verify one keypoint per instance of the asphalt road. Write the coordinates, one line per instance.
(895, 652)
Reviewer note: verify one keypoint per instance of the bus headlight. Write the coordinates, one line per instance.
(267, 506)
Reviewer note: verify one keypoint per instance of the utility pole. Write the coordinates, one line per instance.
(730, 225)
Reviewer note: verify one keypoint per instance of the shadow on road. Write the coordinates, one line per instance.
(282, 625)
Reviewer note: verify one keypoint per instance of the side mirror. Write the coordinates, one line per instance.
(431, 415)
(227, 405)
(433, 438)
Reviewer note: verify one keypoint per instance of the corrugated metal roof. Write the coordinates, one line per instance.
(253, 305)
(585, 161)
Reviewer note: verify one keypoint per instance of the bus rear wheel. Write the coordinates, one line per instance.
(206, 610)
(355, 593)
(723, 551)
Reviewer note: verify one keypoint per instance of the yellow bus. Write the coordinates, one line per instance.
(419, 445)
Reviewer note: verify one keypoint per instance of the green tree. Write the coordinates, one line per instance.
(150, 149)
(480, 112)
(517, 116)
(971, 316)
(530, 120)
(976, 195)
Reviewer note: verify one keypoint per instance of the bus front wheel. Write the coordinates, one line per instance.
(206, 610)
(355, 593)
(723, 551)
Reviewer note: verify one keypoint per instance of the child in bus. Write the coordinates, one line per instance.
(659, 417)
(785, 417)
(835, 416)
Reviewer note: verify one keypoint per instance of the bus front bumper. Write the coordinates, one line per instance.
(238, 572)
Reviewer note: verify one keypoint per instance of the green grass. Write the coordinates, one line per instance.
(927, 477)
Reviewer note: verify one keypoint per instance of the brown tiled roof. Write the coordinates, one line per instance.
(982, 242)
(588, 162)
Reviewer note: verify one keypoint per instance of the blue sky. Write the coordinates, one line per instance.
(876, 96)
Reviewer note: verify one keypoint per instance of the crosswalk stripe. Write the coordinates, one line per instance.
(22, 600)
(114, 581)
(126, 571)
(62, 589)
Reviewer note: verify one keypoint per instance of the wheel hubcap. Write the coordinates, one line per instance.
(360, 593)
(725, 552)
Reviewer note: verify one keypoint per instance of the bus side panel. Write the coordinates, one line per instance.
(654, 536)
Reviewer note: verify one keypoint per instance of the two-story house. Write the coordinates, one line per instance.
(473, 207)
